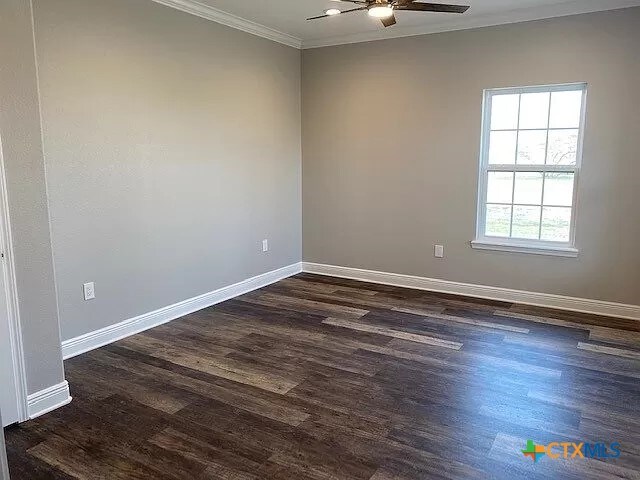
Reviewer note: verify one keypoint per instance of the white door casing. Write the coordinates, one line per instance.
(8, 389)
(13, 387)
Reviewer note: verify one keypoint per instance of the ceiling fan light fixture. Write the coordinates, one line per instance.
(384, 9)
(381, 11)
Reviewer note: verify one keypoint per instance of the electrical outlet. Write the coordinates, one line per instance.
(265, 245)
(438, 251)
(89, 290)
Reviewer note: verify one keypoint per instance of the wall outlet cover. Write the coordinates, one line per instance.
(89, 290)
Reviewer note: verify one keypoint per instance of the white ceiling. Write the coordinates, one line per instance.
(288, 17)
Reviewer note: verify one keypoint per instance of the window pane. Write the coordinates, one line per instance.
(534, 110)
(526, 222)
(565, 109)
(558, 189)
(498, 221)
(500, 187)
(528, 189)
(502, 148)
(556, 224)
(532, 147)
(563, 147)
(504, 112)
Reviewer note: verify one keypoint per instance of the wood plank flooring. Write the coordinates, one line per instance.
(328, 379)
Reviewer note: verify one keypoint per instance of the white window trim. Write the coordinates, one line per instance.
(537, 247)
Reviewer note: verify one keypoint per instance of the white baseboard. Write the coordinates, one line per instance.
(104, 336)
(560, 302)
(48, 399)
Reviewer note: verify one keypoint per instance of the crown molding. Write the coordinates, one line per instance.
(572, 7)
(210, 13)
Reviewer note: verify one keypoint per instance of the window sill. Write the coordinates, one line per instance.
(523, 248)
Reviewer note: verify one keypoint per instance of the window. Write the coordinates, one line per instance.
(531, 153)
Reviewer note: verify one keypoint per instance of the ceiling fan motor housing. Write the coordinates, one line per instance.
(379, 3)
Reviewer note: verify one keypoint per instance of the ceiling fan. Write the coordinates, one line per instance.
(384, 9)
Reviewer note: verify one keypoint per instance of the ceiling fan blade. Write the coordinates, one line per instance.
(319, 16)
(432, 7)
(389, 21)
(341, 13)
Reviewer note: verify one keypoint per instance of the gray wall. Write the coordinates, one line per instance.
(385, 180)
(172, 146)
(25, 173)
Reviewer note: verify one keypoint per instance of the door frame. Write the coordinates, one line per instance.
(8, 270)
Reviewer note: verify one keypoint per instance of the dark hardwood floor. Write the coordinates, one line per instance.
(322, 378)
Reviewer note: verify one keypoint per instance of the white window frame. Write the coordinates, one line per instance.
(540, 247)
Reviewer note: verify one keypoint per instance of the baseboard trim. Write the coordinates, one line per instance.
(104, 336)
(48, 399)
(560, 302)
